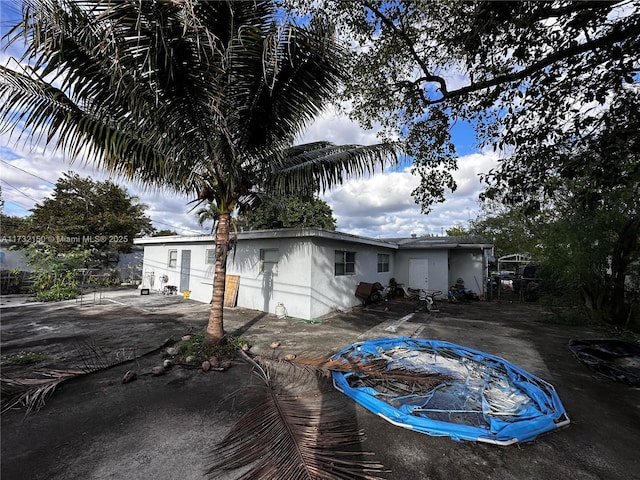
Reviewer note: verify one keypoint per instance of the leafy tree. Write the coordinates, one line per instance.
(89, 214)
(457, 231)
(552, 85)
(594, 244)
(510, 228)
(11, 227)
(57, 275)
(524, 74)
(593, 183)
(202, 97)
(291, 212)
(164, 233)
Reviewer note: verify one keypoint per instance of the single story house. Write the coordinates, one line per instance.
(312, 271)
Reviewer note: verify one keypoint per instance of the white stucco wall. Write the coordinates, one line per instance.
(468, 265)
(156, 264)
(304, 279)
(438, 271)
(330, 292)
(289, 284)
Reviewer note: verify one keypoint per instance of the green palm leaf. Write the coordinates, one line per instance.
(328, 164)
(203, 97)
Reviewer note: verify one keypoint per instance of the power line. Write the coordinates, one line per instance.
(28, 173)
(17, 205)
(51, 183)
(19, 191)
(176, 227)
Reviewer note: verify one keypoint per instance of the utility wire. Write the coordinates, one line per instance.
(52, 183)
(176, 227)
(17, 205)
(28, 173)
(18, 190)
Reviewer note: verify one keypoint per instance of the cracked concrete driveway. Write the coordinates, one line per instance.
(96, 427)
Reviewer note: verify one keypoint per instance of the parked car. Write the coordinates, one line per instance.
(524, 274)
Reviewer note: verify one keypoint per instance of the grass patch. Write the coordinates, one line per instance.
(565, 310)
(618, 333)
(22, 358)
(569, 312)
(196, 347)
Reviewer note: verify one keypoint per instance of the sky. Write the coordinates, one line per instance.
(375, 206)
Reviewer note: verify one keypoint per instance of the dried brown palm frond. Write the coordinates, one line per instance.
(313, 363)
(374, 370)
(378, 369)
(94, 357)
(295, 429)
(32, 392)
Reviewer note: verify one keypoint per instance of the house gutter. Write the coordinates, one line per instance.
(269, 234)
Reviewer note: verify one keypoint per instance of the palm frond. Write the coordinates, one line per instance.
(185, 94)
(372, 371)
(93, 357)
(37, 107)
(32, 392)
(296, 428)
(326, 165)
(283, 76)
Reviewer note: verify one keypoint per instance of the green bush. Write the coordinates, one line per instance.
(22, 358)
(197, 348)
(57, 293)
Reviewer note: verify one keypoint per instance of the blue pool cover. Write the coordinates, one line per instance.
(471, 396)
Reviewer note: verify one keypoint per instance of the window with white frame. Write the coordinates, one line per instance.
(173, 258)
(269, 260)
(210, 256)
(345, 263)
(383, 262)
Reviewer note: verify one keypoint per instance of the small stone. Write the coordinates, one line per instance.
(167, 363)
(213, 361)
(206, 366)
(245, 347)
(172, 351)
(225, 364)
(186, 338)
(275, 344)
(130, 376)
(190, 359)
(289, 357)
(159, 370)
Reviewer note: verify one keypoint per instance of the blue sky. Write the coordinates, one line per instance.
(376, 206)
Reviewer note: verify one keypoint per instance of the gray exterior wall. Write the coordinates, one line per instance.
(288, 284)
(468, 265)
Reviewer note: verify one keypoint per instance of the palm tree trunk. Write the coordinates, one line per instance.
(215, 329)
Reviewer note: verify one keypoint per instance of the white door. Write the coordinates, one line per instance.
(419, 273)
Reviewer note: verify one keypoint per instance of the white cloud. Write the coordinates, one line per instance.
(380, 205)
(332, 126)
(377, 206)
